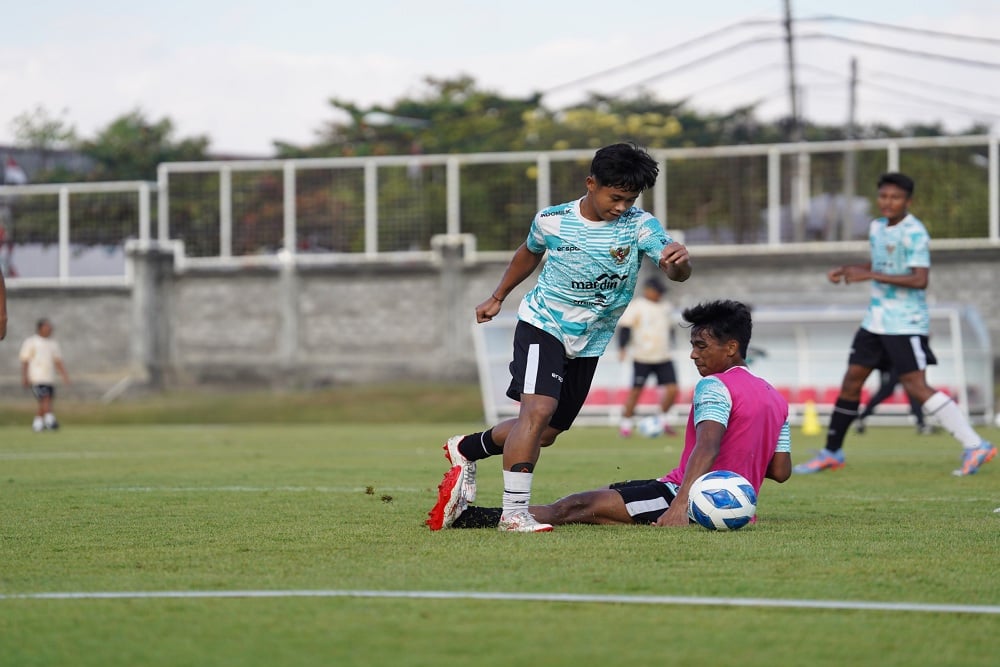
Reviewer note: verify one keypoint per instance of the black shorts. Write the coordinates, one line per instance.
(540, 366)
(903, 353)
(43, 391)
(663, 371)
(645, 499)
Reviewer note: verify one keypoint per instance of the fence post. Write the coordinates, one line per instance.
(289, 208)
(993, 173)
(543, 186)
(151, 312)
(371, 207)
(774, 197)
(163, 204)
(144, 214)
(453, 195)
(660, 195)
(226, 211)
(63, 234)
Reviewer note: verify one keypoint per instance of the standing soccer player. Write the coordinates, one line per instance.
(646, 328)
(40, 359)
(894, 332)
(594, 248)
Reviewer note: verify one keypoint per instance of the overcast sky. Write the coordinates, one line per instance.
(247, 73)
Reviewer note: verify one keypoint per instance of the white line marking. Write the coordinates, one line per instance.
(522, 597)
(260, 489)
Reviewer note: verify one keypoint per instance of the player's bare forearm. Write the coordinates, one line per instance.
(522, 264)
(850, 273)
(675, 262)
(916, 279)
(706, 450)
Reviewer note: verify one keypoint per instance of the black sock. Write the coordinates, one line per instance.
(844, 412)
(478, 517)
(478, 446)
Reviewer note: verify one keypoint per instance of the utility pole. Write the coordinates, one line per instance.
(850, 158)
(795, 129)
(800, 171)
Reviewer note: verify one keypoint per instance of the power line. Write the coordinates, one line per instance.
(907, 79)
(739, 46)
(729, 50)
(742, 76)
(926, 84)
(658, 54)
(936, 103)
(701, 39)
(901, 28)
(898, 49)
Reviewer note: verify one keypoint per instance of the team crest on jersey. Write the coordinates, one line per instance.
(890, 248)
(620, 254)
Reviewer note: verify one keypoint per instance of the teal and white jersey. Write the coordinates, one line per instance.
(895, 251)
(590, 273)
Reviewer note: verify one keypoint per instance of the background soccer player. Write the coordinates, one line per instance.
(895, 329)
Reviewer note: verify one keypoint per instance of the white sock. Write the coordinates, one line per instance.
(942, 408)
(38, 424)
(50, 419)
(516, 491)
(627, 423)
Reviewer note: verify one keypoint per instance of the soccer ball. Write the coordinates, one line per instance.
(722, 500)
(651, 427)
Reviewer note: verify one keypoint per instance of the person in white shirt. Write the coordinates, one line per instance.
(40, 359)
(645, 329)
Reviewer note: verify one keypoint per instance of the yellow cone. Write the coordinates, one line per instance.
(810, 420)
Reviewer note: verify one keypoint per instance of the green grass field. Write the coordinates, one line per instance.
(106, 505)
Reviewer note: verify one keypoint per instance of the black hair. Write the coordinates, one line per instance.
(657, 284)
(901, 181)
(725, 320)
(42, 321)
(624, 166)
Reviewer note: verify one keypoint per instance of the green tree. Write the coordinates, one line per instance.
(451, 116)
(131, 147)
(40, 130)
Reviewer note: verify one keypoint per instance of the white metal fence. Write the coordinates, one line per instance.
(346, 209)
(72, 232)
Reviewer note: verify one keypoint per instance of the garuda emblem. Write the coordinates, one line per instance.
(620, 255)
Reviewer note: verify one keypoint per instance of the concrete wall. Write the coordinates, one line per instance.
(355, 323)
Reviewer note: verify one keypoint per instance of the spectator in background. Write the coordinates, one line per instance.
(646, 330)
(41, 358)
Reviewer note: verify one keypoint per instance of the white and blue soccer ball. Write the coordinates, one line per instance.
(651, 427)
(722, 500)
